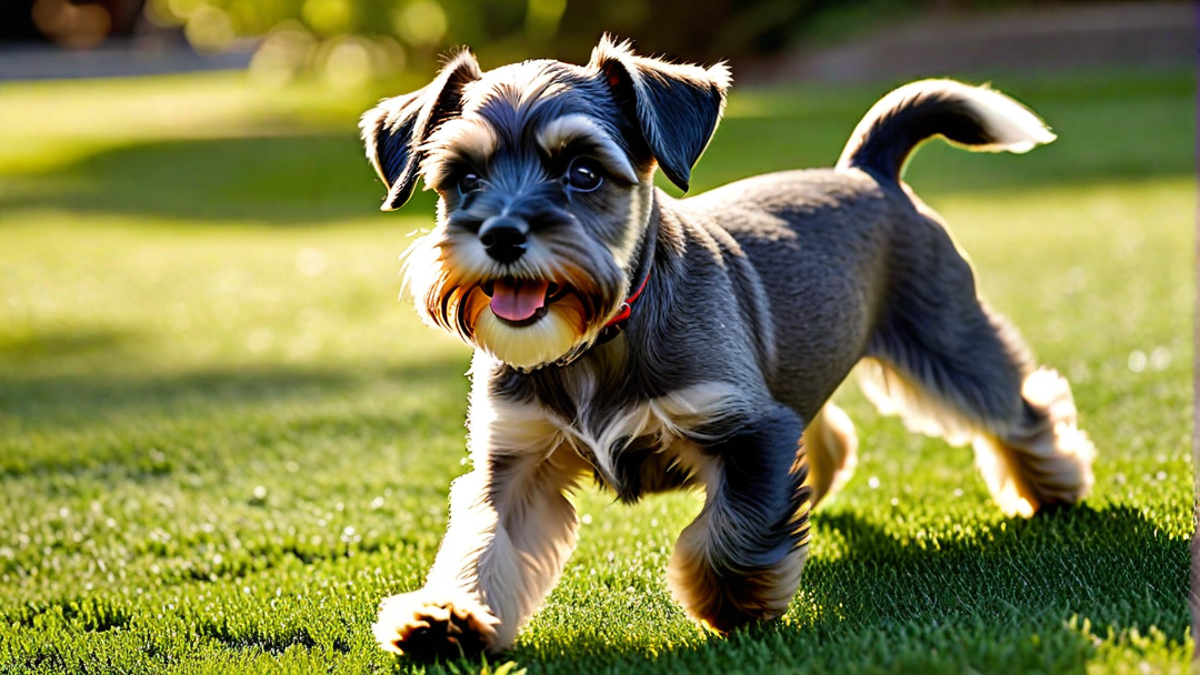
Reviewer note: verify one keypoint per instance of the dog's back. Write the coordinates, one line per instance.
(815, 239)
(837, 247)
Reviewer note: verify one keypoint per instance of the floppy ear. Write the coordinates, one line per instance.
(676, 106)
(395, 129)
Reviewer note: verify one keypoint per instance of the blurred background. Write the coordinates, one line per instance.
(210, 396)
(348, 41)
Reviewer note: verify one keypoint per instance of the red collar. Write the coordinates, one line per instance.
(627, 306)
(611, 329)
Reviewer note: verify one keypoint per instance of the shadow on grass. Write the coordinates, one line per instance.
(17, 350)
(1014, 599)
(295, 180)
(59, 399)
(163, 408)
(35, 397)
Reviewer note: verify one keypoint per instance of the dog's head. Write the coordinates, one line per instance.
(544, 170)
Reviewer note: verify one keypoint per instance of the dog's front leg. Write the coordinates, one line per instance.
(740, 560)
(511, 531)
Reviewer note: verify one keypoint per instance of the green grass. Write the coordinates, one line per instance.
(222, 440)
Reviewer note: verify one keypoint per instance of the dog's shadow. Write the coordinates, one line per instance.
(1008, 597)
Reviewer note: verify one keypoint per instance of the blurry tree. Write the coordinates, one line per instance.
(349, 40)
(69, 24)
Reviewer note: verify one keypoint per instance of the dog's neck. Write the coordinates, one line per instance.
(647, 257)
(646, 249)
(637, 272)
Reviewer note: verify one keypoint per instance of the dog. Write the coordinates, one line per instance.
(655, 343)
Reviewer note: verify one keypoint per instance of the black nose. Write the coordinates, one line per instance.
(503, 238)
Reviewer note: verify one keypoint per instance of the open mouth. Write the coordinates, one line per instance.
(521, 302)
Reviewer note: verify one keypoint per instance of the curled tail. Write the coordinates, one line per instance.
(977, 118)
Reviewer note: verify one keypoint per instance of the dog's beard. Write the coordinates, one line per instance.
(450, 278)
(553, 336)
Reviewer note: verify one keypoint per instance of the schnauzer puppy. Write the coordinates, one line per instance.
(657, 343)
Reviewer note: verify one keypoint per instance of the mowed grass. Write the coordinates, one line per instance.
(223, 440)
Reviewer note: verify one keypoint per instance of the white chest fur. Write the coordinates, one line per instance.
(601, 431)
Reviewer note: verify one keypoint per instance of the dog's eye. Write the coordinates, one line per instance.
(583, 175)
(470, 182)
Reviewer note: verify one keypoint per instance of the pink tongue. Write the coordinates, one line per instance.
(519, 299)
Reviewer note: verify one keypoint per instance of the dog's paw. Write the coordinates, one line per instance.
(426, 626)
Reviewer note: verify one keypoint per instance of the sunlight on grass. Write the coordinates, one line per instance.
(223, 439)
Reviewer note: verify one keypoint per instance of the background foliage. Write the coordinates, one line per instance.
(392, 35)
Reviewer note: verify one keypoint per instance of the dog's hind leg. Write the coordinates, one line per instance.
(953, 368)
(832, 449)
(740, 560)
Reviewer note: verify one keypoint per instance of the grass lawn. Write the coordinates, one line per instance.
(222, 440)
